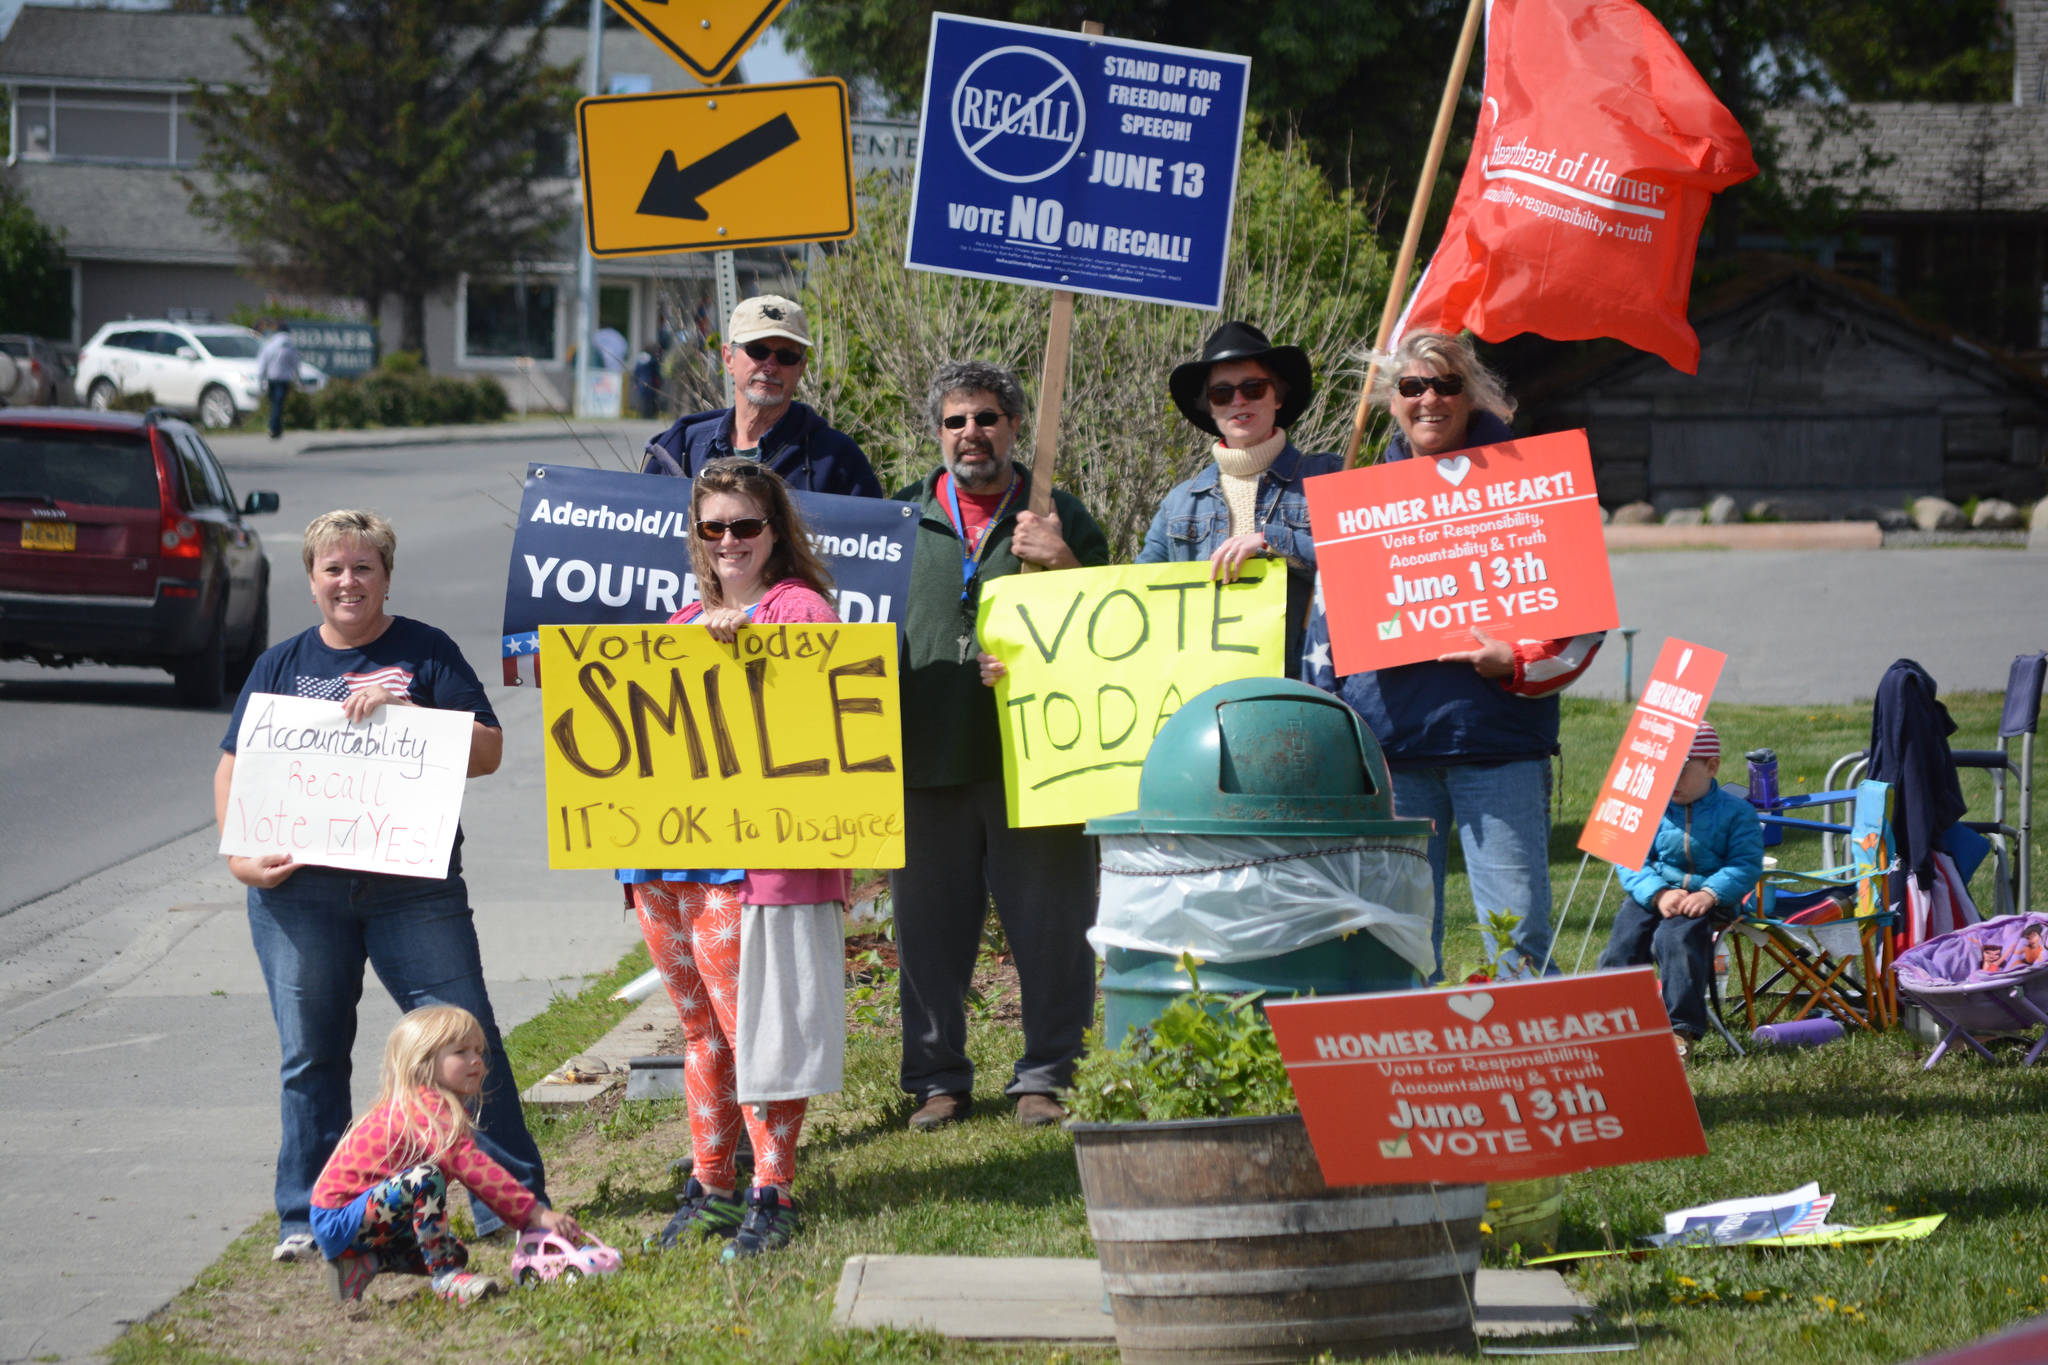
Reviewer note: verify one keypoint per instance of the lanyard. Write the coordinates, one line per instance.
(970, 551)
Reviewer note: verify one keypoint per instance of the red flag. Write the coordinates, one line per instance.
(1597, 152)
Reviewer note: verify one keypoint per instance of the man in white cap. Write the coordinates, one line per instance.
(1707, 855)
(766, 346)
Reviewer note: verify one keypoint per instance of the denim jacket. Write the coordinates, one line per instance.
(1195, 519)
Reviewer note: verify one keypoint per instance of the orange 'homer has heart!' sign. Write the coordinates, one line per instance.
(1417, 554)
(1502, 1082)
(1652, 750)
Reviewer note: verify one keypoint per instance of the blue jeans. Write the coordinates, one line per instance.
(1683, 950)
(312, 934)
(278, 389)
(1502, 814)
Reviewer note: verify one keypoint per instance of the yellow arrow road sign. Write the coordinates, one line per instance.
(707, 36)
(711, 170)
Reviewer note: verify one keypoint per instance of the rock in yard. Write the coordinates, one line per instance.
(1722, 509)
(1996, 514)
(1937, 514)
(1635, 514)
(2037, 536)
(1684, 516)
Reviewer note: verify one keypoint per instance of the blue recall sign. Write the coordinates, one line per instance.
(1079, 162)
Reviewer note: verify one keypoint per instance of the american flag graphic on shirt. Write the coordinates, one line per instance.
(395, 680)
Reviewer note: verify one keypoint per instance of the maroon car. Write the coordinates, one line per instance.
(121, 543)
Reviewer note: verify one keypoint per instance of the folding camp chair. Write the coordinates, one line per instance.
(2010, 828)
(1821, 942)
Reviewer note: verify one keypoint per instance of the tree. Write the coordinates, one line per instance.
(35, 287)
(380, 147)
(1304, 266)
(1356, 83)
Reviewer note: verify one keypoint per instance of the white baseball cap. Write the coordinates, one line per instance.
(768, 315)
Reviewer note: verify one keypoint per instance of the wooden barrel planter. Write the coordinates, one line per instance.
(1220, 1243)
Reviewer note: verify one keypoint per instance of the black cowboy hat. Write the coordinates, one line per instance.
(1242, 341)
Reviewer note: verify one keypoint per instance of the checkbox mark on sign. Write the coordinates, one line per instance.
(1391, 630)
(1395, 1147)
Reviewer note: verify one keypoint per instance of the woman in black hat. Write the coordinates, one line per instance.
(1248, 501)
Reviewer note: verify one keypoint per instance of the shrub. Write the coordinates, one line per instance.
(1206, 1056)
(401, 362)
(1304, 266)
(492, 402)
(141, 401)
(342, 405)
(393, 398)
(444, 401)
(300, 412)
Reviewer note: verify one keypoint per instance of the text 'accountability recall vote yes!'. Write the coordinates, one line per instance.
(1501, 1082)
(1099, 659)
(383, 794)
(1417, 554)
(666, 749)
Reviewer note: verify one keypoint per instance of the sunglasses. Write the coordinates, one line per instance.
(1415, 385)
(1252, 389)
(744, 528)
(761, 350)
(987, 417)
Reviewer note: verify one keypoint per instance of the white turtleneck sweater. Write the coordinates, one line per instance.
(1239, 472)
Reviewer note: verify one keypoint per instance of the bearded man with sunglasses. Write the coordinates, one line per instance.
(959, 850)
(766, 347)
(1468, 736)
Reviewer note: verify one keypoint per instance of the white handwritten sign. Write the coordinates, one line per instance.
(381, 795)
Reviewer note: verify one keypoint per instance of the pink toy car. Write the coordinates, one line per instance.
(546, 1256)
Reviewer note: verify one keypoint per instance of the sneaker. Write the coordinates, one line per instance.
(703, 1214)
(299, 1246)
(464, 1286)
(771, 1222)
(350, 1273)
(1039, 1111)
(940, 1110)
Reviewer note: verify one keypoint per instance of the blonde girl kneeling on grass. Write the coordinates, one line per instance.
(381, 1202)
(754, 961)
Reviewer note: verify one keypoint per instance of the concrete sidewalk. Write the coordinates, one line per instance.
(625, 437)
(138, 1061)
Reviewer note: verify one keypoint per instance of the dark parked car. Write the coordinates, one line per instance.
(42, 377)
(121, 543)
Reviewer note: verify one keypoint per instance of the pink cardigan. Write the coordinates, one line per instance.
(789, 602)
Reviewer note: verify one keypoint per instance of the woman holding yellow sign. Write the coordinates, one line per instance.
(1246, 392)
(754, 960)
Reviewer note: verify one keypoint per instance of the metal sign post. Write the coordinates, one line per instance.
(726, 278)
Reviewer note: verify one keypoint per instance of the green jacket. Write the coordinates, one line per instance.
(950, 734)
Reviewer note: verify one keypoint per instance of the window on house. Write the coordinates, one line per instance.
(505, 319)
(79, 124)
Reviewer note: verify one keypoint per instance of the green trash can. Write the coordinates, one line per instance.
(1262, 803)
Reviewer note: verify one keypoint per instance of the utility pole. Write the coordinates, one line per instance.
(586, 273)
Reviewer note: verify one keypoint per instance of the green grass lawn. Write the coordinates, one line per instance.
(1860, 1117)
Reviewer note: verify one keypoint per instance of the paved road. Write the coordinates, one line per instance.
(138, 1101)
(137, 1060)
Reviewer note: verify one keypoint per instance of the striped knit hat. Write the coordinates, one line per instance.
(1706, 743)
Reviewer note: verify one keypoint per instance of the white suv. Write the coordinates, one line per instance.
(204, 370)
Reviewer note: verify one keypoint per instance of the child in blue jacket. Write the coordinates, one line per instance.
(1708, 854)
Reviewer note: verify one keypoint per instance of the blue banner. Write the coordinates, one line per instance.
(604, 547)
(1075, 162)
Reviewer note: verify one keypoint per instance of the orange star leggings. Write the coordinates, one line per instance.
(693, 931)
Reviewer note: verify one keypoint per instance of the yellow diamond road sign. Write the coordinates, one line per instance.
(711, 170)
(707, 36)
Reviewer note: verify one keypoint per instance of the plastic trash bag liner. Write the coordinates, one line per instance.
(1236, 898)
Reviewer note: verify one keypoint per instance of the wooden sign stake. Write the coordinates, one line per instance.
(1052, 390)
(1397, 285)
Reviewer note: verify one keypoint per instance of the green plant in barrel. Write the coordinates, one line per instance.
(1207, 1055)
